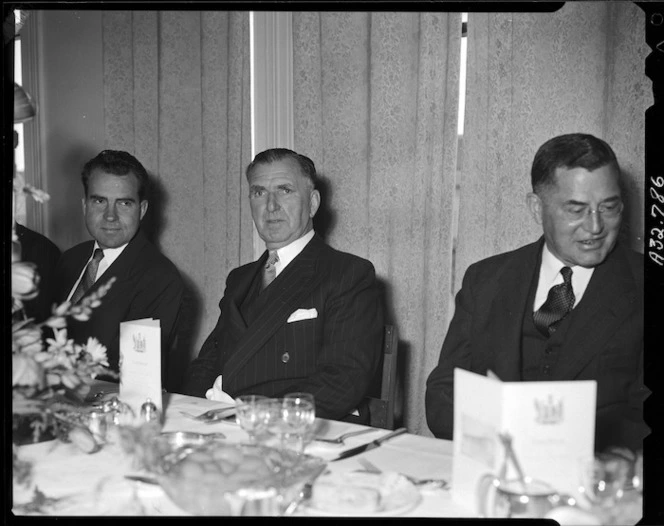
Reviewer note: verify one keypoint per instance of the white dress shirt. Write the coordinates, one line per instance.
(289, 252)
(110, 255)
(550, 275)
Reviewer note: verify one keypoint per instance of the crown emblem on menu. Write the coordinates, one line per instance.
(139, 342)
(549, 410)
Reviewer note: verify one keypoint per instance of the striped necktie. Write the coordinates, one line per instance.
(270, 271)
(89, 276)
(558, 304)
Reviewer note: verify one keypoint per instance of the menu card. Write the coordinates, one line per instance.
(140, 364)
(551, 425)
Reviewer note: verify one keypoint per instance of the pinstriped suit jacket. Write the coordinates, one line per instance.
(334, 355)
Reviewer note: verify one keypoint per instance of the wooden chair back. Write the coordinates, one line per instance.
(382, 409)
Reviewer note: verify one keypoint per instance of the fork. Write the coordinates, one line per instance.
(340, 439)
(431, 483)
(212, 414)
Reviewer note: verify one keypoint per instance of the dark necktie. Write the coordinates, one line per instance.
(89, 276)
(270, 268)
(558, 304)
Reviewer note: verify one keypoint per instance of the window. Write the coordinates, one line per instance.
(19, 153)
(462, 70)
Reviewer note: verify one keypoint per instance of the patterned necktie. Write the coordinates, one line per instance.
(89, 276)
(557, 305)
(270, 268)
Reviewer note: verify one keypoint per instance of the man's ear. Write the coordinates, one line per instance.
(314, 203)
(535, 206)
(84, 202)
(144, 208)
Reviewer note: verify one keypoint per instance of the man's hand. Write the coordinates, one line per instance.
(217, 394)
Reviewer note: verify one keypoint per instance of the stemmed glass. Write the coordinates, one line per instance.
(298, 413)
(603, 482)
(253, 415)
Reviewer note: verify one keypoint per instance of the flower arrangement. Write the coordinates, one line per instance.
(50, 372)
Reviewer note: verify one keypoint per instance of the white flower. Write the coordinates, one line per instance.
(97, 351)
(26, 371)
(25, 280)
(56, 322)
(62, 309)
(70, 379)
(38, 195)
(27, 339)
(60, 342)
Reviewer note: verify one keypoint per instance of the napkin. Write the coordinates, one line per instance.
(217, 394)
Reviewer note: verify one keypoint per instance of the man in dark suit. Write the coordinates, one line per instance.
(503, 321)
(147, 284)
(316, 328)
(40, 250)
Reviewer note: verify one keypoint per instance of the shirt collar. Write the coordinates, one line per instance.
(289, 252)
(110, 254)
(550, 272)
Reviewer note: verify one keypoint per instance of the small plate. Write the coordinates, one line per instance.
(397, 494)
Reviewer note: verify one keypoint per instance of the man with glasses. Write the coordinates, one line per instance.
(567, 307)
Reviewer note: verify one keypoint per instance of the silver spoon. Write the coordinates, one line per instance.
(304, 495)
(340, 439)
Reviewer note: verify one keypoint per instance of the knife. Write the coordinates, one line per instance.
(371, 445)
(142, 478)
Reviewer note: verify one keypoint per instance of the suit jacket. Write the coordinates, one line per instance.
(147, 285)
(603, 340)
(41, 251)
(333, 355)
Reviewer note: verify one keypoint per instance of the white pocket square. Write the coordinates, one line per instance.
(302, 314)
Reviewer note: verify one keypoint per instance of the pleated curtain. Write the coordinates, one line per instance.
(177, 95)
(375, 107)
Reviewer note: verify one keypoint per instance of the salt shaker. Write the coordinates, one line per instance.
(150, 412)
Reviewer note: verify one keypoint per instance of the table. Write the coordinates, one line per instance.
(94, 484)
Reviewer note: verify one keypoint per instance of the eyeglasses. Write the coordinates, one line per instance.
(606, 210)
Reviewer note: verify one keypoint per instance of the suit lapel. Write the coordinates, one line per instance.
(122, 268)
(508, 309)
(72, 270)
(609, 298)
(239, 291)
(287, 291)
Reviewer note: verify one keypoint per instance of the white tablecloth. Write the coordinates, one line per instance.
(95, 484)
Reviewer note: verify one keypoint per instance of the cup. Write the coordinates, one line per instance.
(516, 498)
(530, 499)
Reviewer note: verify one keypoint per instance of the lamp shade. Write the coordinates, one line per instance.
(24, 107)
